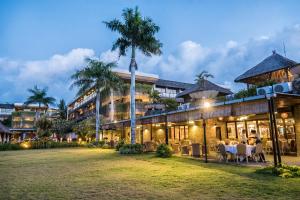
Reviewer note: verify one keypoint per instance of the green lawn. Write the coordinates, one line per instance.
(103, 174)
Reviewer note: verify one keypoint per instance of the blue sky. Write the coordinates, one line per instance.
(43, 42)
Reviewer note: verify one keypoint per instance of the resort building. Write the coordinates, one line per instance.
(6, 110)
(273, 110)
(115, 106)
(24, 119)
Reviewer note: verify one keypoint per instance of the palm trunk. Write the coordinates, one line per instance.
(132, 95)
(97, 115)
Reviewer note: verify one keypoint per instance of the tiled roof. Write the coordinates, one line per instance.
(206, 86)
(173, 84)
(272, 63)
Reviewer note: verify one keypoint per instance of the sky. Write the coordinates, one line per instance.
(43, 42)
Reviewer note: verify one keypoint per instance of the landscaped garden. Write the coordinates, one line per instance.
(92, 173)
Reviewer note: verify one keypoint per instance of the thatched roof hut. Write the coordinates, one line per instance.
(206, 86)
(275, 67)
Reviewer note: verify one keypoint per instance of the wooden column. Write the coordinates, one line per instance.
(166, 130)
(276, 131)
(204, 137)
(272, 134)
(297, 127)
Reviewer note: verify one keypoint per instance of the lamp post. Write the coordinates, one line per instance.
(205, 106)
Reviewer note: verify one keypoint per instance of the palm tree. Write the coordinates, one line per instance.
(201, 77)
(136, 33)
(62, 109)
(96, 75)
(40, 97)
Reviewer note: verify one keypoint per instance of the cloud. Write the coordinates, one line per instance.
(225, 62)
(54, 73)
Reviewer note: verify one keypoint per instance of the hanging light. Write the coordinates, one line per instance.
(284, 115)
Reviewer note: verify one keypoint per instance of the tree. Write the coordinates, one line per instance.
(170, 104)
(136, 33)
(44, 126)
(62, 109)
(154, 96)
(85, 129)
(97, 75)
(202, 77)
(40, 97)
(62, 127)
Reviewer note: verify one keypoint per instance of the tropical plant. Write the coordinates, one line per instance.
(97, 75)
(202, 77)
(44, 126)
(40, 97)
(62, 108)
(170, 104)
(136, 33)
(154, 96)
(61, 127)
(164, 151)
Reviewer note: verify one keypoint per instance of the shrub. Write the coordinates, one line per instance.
(284, 171)
(106, 146)
(120, 144)
(9, 146)
(164, 151)
(131, 149)
(38, 145)
(95, 144)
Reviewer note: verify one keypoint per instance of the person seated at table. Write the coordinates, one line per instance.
(244, 137)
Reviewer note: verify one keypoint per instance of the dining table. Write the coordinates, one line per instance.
(233, 149)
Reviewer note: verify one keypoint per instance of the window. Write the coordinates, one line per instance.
(231, 132)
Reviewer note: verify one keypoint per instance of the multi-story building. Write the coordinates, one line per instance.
(24, 120)
(116, 105)
(6, 110)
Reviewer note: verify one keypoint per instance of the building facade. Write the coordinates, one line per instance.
(272, 114)
(116, 105)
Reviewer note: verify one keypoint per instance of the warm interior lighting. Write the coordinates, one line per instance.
(191, 122)
(220, 118)
(284, 115)
(157, 125)
(206, 104)
(243, 118)
(230, 118)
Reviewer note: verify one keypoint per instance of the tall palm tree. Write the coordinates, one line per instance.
(201, 77)
(136, 33)
(40, 97)
(96, 75)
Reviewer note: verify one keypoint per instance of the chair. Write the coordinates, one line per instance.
(258, 152)
(175, 148)
(269, 147)
(185, 150)
(149, 146)
(222, 154)
(241, 152)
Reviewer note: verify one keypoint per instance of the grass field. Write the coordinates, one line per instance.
(103, 174)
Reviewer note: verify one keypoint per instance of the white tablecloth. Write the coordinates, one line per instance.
(232, 149)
